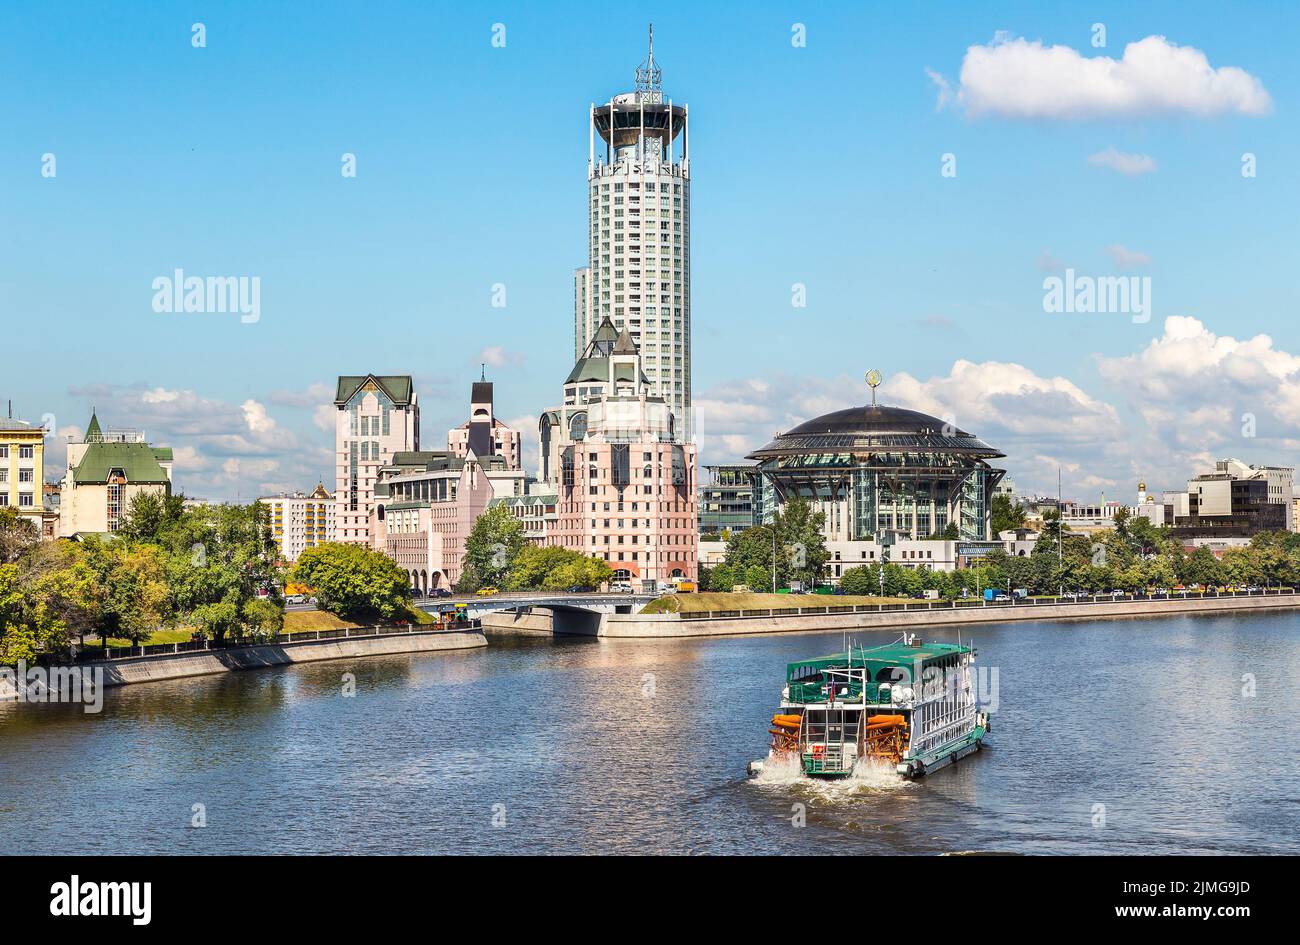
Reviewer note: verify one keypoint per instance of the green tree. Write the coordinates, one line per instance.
(17, 639)
(794, 539)
(353, 581)
(1201, 567)
(751, 552)
(556, 569)
(1005, 515)
(221, 558)
(138, 599)
(859, 581)
(495, 541)
(151, 515)
(578, 572)
(533, 563)
(799, 531)
(63, 597)
(18, 533)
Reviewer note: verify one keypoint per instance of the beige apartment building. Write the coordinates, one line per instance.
(22, 469)
(377, 416)
(106, 471)
(300, 521)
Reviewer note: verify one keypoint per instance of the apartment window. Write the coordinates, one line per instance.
(26, 452)
(25, 475)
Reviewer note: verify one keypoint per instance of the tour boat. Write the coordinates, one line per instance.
(907, 704)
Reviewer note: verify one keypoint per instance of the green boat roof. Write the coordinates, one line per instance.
(890, 654)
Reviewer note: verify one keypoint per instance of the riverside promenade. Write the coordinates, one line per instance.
(180, 660)
(821, 617)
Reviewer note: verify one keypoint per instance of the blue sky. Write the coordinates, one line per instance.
(817, 165)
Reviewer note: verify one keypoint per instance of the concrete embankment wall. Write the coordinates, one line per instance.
(535, 621)
(560, 621)
(671, 625)
(140, 669)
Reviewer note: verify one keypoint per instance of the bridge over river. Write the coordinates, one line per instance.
(564, 613)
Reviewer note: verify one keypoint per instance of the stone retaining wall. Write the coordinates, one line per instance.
(139, 669)
(672, 625)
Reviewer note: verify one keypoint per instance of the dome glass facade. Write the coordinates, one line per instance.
(879, 471)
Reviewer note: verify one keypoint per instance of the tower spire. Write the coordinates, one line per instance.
(648, 75)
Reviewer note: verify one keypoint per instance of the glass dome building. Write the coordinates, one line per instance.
(881, 473)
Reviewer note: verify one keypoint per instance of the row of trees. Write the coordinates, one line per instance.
(210, 567)
(1128, 558)
(497, 555)
(791, 548)
(1132, 556)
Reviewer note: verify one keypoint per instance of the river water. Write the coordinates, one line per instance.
(1127, 736)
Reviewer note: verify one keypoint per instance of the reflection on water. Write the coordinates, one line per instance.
(628, 746)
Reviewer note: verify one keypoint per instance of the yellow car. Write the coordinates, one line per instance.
(486, 591)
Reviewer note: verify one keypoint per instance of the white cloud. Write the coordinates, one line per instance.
(944, 86)
(497, 356)
(222, 450)
(1127, 258)
(325, 417)
(1017, 78)
(1166, 412)
(314, 395)
(1190, 367)
(1202, 396)
(1049, 263)
(1131, 165)
(1002, 401)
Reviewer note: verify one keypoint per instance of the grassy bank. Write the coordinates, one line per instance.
(710, 600)
(296, 621)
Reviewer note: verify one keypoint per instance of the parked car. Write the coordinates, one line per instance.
(581, 589)
(440, 592)
(621, 587)
(295, 599)
(486, 591)
(740, 589)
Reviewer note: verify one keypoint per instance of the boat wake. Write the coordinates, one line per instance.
(869, 776)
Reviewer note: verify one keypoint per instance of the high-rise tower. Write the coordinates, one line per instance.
(639, 236)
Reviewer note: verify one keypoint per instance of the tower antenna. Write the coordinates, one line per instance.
(648, 75)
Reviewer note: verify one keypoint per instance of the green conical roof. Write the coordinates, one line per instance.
(92, 428)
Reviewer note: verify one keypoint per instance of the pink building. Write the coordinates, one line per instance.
(425, 503)
(483, 432)
(377, 416)
(625, 486)
(425, 507)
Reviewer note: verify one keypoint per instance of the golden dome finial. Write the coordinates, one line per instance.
(874, 379)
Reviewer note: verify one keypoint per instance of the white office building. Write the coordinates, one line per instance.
(639, 203)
